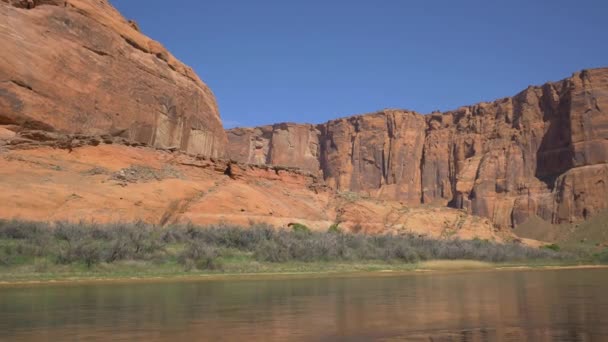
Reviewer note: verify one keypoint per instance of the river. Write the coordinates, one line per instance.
(514, 305)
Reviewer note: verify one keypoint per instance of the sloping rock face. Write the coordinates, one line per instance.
(543, 152)
(50, 177)
(78, 66)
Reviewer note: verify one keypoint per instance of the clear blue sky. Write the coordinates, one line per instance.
(273, 61)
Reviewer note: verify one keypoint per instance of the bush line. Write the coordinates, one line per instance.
(203, 247)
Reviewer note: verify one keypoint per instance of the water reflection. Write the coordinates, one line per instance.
(567, 305)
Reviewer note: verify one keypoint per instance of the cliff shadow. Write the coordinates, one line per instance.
(555, 153)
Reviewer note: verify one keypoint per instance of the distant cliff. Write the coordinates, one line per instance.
(543, 152)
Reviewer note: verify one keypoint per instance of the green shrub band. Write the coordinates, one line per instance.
(202, 247)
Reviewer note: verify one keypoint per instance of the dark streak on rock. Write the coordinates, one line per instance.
(98, 52)
(22, 85)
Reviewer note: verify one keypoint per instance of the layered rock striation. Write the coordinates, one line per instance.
(542, 152)
(52, 177)
(77, 66)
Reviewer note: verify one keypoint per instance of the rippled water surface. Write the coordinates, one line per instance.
(561, 305)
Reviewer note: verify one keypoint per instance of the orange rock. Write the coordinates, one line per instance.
(282, 144)
(79, 67)
(507, 160)
(6, 134)
(117, 183)
(82, 90)
(353, 154)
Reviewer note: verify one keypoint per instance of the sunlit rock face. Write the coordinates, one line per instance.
(78, 66)
(286, 144)
(542, 152)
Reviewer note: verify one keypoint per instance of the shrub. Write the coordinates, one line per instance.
(201, 256)
(23, 230)
(401, 252)
(118, 249)
(198, 247)
(553, 247)
(603, 257)
(272, 251)
(299, 228)
(211, 264)
(335, 229)
(5, 257)
(88, 251)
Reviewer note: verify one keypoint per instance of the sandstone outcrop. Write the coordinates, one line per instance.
(51, 177)
(543, 152)
(376, 154)
(100, 123)
(282, 144)
(77, 66)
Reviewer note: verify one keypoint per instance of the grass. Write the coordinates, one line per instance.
(590, 233)
(43, 251)
(232, 265)
(454, 265)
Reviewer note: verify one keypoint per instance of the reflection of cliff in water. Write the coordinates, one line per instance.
(566, 305)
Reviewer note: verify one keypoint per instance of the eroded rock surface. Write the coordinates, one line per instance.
(78, 66)
(282, 144)
(100, 123)
(542, 152)
(114, 182)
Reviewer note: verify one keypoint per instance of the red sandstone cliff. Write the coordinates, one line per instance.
(44, 178)
(543, 152)
(82, 90)
(77, 66)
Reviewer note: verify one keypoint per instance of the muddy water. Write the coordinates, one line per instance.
(561, 305)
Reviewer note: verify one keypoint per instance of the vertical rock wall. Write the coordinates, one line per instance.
(543, 152)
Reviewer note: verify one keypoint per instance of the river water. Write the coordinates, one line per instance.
(555, 305)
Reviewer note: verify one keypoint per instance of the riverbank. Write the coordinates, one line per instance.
(70, 252)
(282, 272)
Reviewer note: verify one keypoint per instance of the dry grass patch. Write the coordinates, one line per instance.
(454, 265)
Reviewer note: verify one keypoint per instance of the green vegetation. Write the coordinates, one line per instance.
(570, 236)
(300, 228)
(554, 247)
(334, 229)
(30, 250)
(602, 257)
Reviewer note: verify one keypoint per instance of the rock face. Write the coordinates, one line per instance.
(360, 153)
(282, 144)
(543, 152)
(78, 66)
(43, 179)
(377, 154)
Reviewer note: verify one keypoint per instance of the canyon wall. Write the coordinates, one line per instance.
(91, 180)
(286, 144)
(543, 152)
(77, 66)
